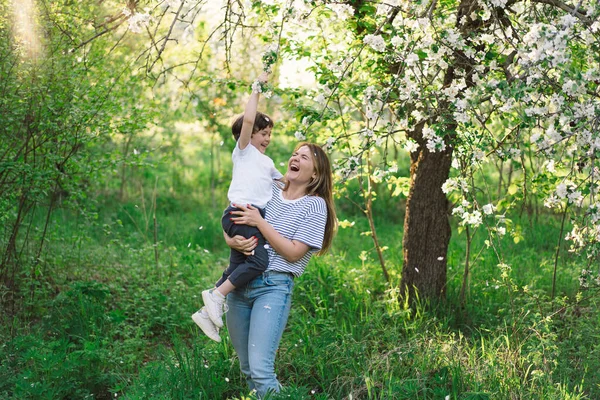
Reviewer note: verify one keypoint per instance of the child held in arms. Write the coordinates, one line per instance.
(251, 184)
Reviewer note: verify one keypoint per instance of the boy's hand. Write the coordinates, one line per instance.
(264, 77)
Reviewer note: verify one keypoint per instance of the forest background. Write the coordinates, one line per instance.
(115, 161)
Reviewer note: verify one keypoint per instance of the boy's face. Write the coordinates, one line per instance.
(261, 139)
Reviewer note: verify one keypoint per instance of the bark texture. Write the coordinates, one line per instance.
(426, 227)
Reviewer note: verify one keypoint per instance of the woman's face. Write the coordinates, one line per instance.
(301, 167)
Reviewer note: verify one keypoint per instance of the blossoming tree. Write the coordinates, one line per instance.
(465, 86)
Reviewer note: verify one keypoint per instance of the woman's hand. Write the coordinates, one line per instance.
(241, 244)
(248, 215)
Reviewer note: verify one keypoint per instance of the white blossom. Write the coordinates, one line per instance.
(488, 209)
(411, 59)
(575, 197)
(411, 146)
(299, 135)
(370, 94)
(343, 11)
(173, 3)
(552, 201)
(474, 219)
(396, 41)
(256, 87)
(138, 21)
(329, 143)
(435, 144)
(376, 42)
(188, 34)
(320, 99)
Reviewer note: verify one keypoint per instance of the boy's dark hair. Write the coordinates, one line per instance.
(261, 122)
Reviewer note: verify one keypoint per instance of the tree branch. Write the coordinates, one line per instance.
(567, 8)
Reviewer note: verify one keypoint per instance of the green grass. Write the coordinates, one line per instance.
(104, 319)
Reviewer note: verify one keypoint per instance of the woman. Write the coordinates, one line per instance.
(300, 220)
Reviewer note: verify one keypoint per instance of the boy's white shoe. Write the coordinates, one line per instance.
(202, 319)
(214, 303)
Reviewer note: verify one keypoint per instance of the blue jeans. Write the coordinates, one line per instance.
(257, 316)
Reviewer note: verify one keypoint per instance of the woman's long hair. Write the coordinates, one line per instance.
(322, 186)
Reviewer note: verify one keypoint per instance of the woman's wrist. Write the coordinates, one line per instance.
(261, 225)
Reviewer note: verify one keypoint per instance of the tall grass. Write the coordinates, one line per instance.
(107, 319)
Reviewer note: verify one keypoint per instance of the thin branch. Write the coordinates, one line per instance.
(567, 8)
(123, 19)
(166, 38)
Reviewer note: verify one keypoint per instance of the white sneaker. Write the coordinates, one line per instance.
(202, 319)
(214, 307)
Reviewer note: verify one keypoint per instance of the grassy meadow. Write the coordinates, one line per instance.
(106, 313)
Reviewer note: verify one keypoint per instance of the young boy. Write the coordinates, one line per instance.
(251, 183)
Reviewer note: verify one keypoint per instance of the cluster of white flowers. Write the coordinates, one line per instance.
(499, 3)
(467, 214)
(173, 3)
(478, 155)
(137, 21)
(588, 278)
(376, 42)
(411, 146)
(542, 140)
(370, 94)
(385, 7)
(349, 169)
(372, 105)
(460, 114)
(365, 134)
(577, 236)
(545, 42)
(257, 87)
(188, 34)
(453, 184)
(260, 87)
(587, 236)
(566, 190)
(514, 153)
(589, 141)
(329, 143)
(322, 94)
(340, 65)
(269, 56)
(299, 135)
(488, 209)
(434, 142)
(453, 38)
(343, 11)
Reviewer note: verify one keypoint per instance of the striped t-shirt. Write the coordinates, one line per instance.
(303, 220)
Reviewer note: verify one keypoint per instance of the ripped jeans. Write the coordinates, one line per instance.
(257, 316)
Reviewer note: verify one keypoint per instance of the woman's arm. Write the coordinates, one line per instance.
(241, 244)
(291, 250)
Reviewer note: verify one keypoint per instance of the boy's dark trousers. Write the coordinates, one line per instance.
(242, 269)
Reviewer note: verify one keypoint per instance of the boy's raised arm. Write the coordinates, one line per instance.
(250, 115)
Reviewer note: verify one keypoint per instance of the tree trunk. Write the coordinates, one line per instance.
(426, 226)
